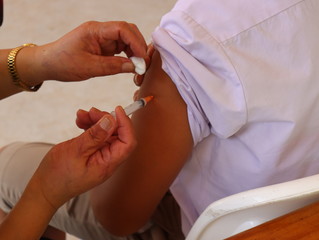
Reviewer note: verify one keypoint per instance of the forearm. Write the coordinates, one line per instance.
(7, 88)
(90, 50)
(29, 218)
(28, 66)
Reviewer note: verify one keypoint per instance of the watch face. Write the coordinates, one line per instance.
(1, 11)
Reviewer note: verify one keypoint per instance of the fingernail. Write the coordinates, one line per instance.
(105, 123)
(128, 67)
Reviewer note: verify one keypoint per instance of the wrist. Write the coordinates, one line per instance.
(24, 67)
(34, 192)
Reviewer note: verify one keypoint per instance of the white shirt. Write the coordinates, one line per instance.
(248, 71)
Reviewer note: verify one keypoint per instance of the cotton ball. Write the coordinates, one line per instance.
(139, 63)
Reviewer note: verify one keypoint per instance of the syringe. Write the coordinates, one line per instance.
(136, 105)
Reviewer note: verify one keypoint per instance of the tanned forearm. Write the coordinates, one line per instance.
(28, 66)
(22, 223)
(7, 88)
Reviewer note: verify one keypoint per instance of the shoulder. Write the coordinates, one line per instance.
(224, 19)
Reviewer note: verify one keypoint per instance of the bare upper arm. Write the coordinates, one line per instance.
(127, 200)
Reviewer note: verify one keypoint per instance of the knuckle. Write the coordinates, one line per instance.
(122, 25)
(132, 25)
(88, 24)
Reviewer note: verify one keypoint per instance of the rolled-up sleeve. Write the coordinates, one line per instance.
(203, 74)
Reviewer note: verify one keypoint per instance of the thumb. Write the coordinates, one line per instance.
(96, 136)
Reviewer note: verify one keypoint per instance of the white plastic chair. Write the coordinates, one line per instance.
(234, 214)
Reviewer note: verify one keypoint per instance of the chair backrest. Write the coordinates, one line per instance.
(239, 212)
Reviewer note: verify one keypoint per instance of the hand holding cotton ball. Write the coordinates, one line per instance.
(140, 65)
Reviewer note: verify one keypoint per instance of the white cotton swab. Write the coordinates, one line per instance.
(140, 65)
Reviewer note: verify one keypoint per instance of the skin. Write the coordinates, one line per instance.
(86, 52)
(91, 158)
(69, 169)
(128, 199)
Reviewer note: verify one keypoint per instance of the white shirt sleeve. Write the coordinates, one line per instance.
(203, 74)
